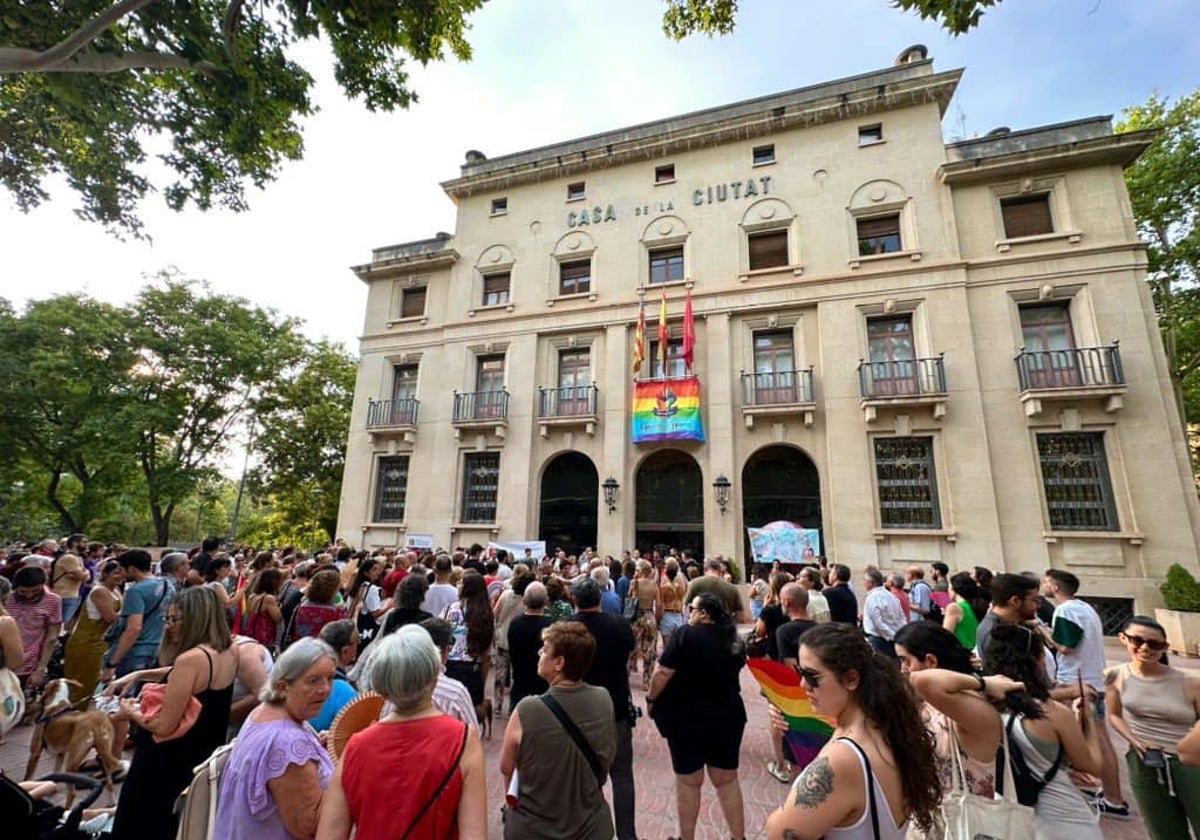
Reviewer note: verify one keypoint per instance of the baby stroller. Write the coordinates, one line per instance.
(26, 818)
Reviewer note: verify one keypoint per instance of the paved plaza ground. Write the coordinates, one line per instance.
(655, 782)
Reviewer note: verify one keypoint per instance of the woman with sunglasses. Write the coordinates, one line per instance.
(878, 772)
(701, 665)
(1153, 706)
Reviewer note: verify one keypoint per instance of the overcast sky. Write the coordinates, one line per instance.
(550, 70)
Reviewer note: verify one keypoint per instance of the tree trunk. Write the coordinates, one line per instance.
(64, 516)
(162, 522)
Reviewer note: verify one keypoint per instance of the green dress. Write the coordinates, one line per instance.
(968, 625)
(85, 650)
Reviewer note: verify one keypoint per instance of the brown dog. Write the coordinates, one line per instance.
(483, 711)
(70, 735)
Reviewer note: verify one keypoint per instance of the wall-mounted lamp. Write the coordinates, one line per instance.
(610, 488)
(721, 491)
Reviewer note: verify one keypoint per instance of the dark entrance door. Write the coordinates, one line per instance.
(570, 498)
(779, 482)
(670, 503)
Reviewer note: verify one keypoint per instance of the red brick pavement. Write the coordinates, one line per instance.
(654, 780)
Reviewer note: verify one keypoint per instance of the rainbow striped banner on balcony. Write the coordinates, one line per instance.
(667, 409)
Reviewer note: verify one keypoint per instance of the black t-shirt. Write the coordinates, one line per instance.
(400, 616)
(706, 673)
(201, 562)
(475, 564)
(787, 637)
(610, 666)
(290, 599)
(772, 616)
(524, 642)
(843, 605)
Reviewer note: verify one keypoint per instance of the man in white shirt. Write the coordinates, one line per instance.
(1078, 634)
(920, 593)
(442, 593)
(882, 615)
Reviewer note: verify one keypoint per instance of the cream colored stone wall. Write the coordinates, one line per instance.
(961, 287)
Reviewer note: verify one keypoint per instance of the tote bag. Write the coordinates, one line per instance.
(12, 700)
(968, 816)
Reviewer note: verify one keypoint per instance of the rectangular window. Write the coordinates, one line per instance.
(763, 154)
(576, 191)
(1075, 477)
(676, 368)
(666, 265)
(879, 235)
(574, 382)
(768, 250)
(1026, 215)
(495, 289)
(412, 302)
(1048, 353)
(391, 489)
(575, 278)
(490, 373)
(907, 483)
(892, 354)
(774, 368)
(664, 174)
(481, 482)
(404, 382)
(499, 206)
(870, 134)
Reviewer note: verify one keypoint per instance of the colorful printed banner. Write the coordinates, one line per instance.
(808, 731)
(667, 409)
(786, 541)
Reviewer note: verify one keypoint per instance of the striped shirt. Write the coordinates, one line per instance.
(450, 697)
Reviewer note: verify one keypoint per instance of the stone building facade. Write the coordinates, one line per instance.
(926, 351)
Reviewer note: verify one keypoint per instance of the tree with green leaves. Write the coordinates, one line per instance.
(87, 85)
(302, 422)
(203, 360)
(719, 17)
(1164, 188)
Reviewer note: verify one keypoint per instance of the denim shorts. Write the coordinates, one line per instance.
(669, 623)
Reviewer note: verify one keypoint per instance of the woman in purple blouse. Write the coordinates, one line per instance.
(272, 785)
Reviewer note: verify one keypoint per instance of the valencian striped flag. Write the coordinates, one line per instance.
(639, 338)
(807, 731)
(667, 409)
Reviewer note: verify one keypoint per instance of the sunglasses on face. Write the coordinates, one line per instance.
(1151, 644)
(812, 679)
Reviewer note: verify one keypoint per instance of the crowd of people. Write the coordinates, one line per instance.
(928, 676)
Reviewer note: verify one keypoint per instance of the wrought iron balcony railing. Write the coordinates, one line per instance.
(1078, 367)
(397, 412)
(902, 378)
(780, 387)
(572, 401)
(480, 405)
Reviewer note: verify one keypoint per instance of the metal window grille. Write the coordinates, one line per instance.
(481, 481)
(391, 489)
(1075, 477)
(1114, 612)
(907, 483)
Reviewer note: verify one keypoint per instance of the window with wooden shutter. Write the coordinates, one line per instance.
(1026, 215)
(495, 289)
(575, 277)
(412, 302)
(666, 265)
(879, 235)
(768, 250)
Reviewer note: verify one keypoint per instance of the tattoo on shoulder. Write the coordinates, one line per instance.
(815, 784)
(1110, 676)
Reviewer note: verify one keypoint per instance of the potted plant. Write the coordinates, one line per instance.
(1181, 618)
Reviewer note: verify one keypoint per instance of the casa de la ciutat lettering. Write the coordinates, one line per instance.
(710, 194)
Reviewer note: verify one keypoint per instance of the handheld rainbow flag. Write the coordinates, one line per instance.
(807, 731)
(639, 338)
(667, 410)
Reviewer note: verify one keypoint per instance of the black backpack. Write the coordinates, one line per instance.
(1029, 785)
(935, 613)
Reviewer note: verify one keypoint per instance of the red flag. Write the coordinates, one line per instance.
(639, 339)
(663, 336)
(689, 333)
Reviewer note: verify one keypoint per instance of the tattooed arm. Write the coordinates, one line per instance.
(828, 793)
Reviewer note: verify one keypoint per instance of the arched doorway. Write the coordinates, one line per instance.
(670, 502)
(569, 501)
(780, 482)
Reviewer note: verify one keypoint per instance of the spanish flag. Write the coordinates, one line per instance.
(663, 336)
(639, 339)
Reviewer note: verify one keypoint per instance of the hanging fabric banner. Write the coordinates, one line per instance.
(786, 541)
(667, 409)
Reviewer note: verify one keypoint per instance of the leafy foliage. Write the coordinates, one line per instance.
(87, 86)
(1164, 188)
(1180, 590)
(718, 17)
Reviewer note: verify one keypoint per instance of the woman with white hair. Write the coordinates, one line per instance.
(278, 771)
(427, 766)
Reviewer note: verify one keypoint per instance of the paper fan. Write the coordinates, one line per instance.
(807, 730)
(354, 717)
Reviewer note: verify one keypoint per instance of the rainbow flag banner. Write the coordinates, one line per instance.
(807, 731)
(667, 409)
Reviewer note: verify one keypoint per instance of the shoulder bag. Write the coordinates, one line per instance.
(589, 754)
(630, 609)
(437, 794)
(968, 815)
